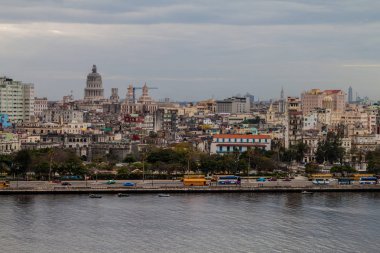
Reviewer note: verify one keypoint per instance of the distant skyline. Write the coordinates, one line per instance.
(193, 50)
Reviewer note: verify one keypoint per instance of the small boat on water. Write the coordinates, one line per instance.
(306, 192)
(122, 195)
(95, 196)
(163, 195)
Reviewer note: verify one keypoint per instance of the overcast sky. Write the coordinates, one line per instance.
(194, 49)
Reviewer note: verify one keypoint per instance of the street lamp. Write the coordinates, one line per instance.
(17, 176)
(143, 163)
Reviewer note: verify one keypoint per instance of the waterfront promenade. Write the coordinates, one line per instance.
(176, 186)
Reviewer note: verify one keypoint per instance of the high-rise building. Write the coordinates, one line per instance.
(335, 100)
(282, 102)
(350, 95)
(94, 86)
(233, 105)
(293, 131)
(16, 100)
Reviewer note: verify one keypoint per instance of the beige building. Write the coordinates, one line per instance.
(145, 104)
(335, 100)
(40, 105)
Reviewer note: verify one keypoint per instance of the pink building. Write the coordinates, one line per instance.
(335, 100)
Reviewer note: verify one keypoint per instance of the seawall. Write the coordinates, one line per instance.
(222, 189)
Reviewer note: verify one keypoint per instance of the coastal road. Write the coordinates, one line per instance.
(155, 184)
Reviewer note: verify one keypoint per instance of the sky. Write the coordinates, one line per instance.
(192, 50)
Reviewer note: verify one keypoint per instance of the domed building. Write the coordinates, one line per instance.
(94, 86)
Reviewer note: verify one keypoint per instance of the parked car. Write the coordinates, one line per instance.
(111, 181)
(272, 179)
(56, 181)
(287, 179)
(129, 184)
(65, 183)
(261, 179)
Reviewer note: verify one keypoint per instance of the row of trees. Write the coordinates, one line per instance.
(312, 168)
(43, 163)
(373, 159)
(182, 158)
(179, 159)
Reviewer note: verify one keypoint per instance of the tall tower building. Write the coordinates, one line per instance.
(282, 102)
(114, 95)
(350, 95)
(16, 100)
(94, 86)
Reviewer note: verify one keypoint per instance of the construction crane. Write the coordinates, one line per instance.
(140, 88)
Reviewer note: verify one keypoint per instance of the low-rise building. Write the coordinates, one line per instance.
(229, 143)
(9, 143)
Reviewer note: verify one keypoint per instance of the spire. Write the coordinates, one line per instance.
(94, 68)
(282, 92)
(145, 90)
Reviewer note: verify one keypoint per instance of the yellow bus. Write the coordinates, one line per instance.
(4, 184)
(321, 175)
(194, 180)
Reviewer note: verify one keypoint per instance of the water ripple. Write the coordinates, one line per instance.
(324, 222)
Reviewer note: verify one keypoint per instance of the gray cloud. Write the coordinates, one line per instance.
(192, 50)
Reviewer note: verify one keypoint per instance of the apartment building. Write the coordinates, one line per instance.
(327, 99)
(16, 100)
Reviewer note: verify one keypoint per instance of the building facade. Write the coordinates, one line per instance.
(233, 105)
(16, 100)
(40, 104)
(335, 100)
(229, 143)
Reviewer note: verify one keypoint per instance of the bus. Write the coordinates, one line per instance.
(358, 176)
(71, 177)
(194, 180)
(368, 180)
(226, 180)
(345, 181)
(321, 181)
(4, 184)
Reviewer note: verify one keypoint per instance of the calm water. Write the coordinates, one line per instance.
(323, 222)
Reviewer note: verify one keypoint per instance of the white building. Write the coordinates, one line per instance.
(94, 86)
(228, 143)
(9, 143)
(16, 100)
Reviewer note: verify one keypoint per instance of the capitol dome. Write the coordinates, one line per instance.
(94, 86)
